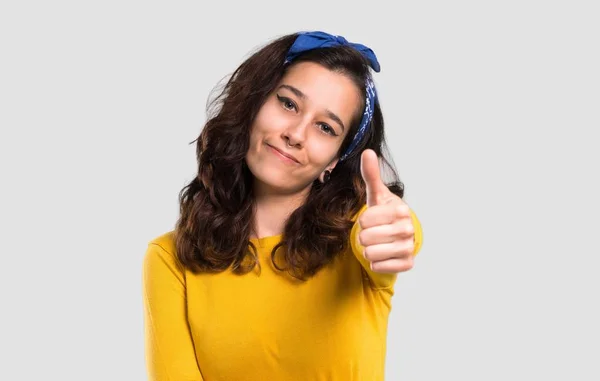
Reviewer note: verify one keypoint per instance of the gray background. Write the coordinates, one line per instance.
(492, 110)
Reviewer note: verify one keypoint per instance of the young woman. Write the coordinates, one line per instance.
(283, 262)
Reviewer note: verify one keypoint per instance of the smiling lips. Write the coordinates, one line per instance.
(285, 156)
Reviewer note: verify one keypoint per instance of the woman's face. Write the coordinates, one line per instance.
(299, 129)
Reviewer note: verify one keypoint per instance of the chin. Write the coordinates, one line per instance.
(273, 178)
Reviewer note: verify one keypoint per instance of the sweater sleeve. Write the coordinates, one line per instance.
(381, 280)
(170, 354)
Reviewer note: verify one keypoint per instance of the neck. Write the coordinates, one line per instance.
(272, 210)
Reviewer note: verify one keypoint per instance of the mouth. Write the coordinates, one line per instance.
(283, 155)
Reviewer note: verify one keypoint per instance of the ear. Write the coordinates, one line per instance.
(333, 164)
(329, 169)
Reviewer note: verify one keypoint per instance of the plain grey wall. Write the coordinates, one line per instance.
(492, 110)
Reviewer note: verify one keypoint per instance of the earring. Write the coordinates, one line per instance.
(326, 176)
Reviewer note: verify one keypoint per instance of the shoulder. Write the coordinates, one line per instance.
(161, 250)
(160, 265)
(161, 260)
(165, 241)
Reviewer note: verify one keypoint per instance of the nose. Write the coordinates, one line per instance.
(295, 134)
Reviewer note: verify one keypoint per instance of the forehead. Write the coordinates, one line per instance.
(325, 89)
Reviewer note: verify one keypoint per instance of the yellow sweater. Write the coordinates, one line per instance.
(266, 327)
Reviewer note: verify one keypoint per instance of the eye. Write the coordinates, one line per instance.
(287, 103)
(327, 129)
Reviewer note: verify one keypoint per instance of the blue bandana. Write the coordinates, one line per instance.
(314, 40)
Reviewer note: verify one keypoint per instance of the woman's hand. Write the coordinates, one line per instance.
(387, 231)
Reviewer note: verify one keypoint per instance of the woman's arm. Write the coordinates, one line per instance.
(170, 354)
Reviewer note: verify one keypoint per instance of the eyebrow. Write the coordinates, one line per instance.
(303, 96)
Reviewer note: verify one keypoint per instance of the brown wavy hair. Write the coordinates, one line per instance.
(216, 208)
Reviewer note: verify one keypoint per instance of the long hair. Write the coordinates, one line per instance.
(213, 231)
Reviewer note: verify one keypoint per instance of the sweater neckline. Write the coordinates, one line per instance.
(271, 240)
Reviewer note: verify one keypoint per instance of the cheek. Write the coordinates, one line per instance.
(259, 130)
(268, 118)
(323, 150)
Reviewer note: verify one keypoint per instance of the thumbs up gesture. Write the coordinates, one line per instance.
(386, 228)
